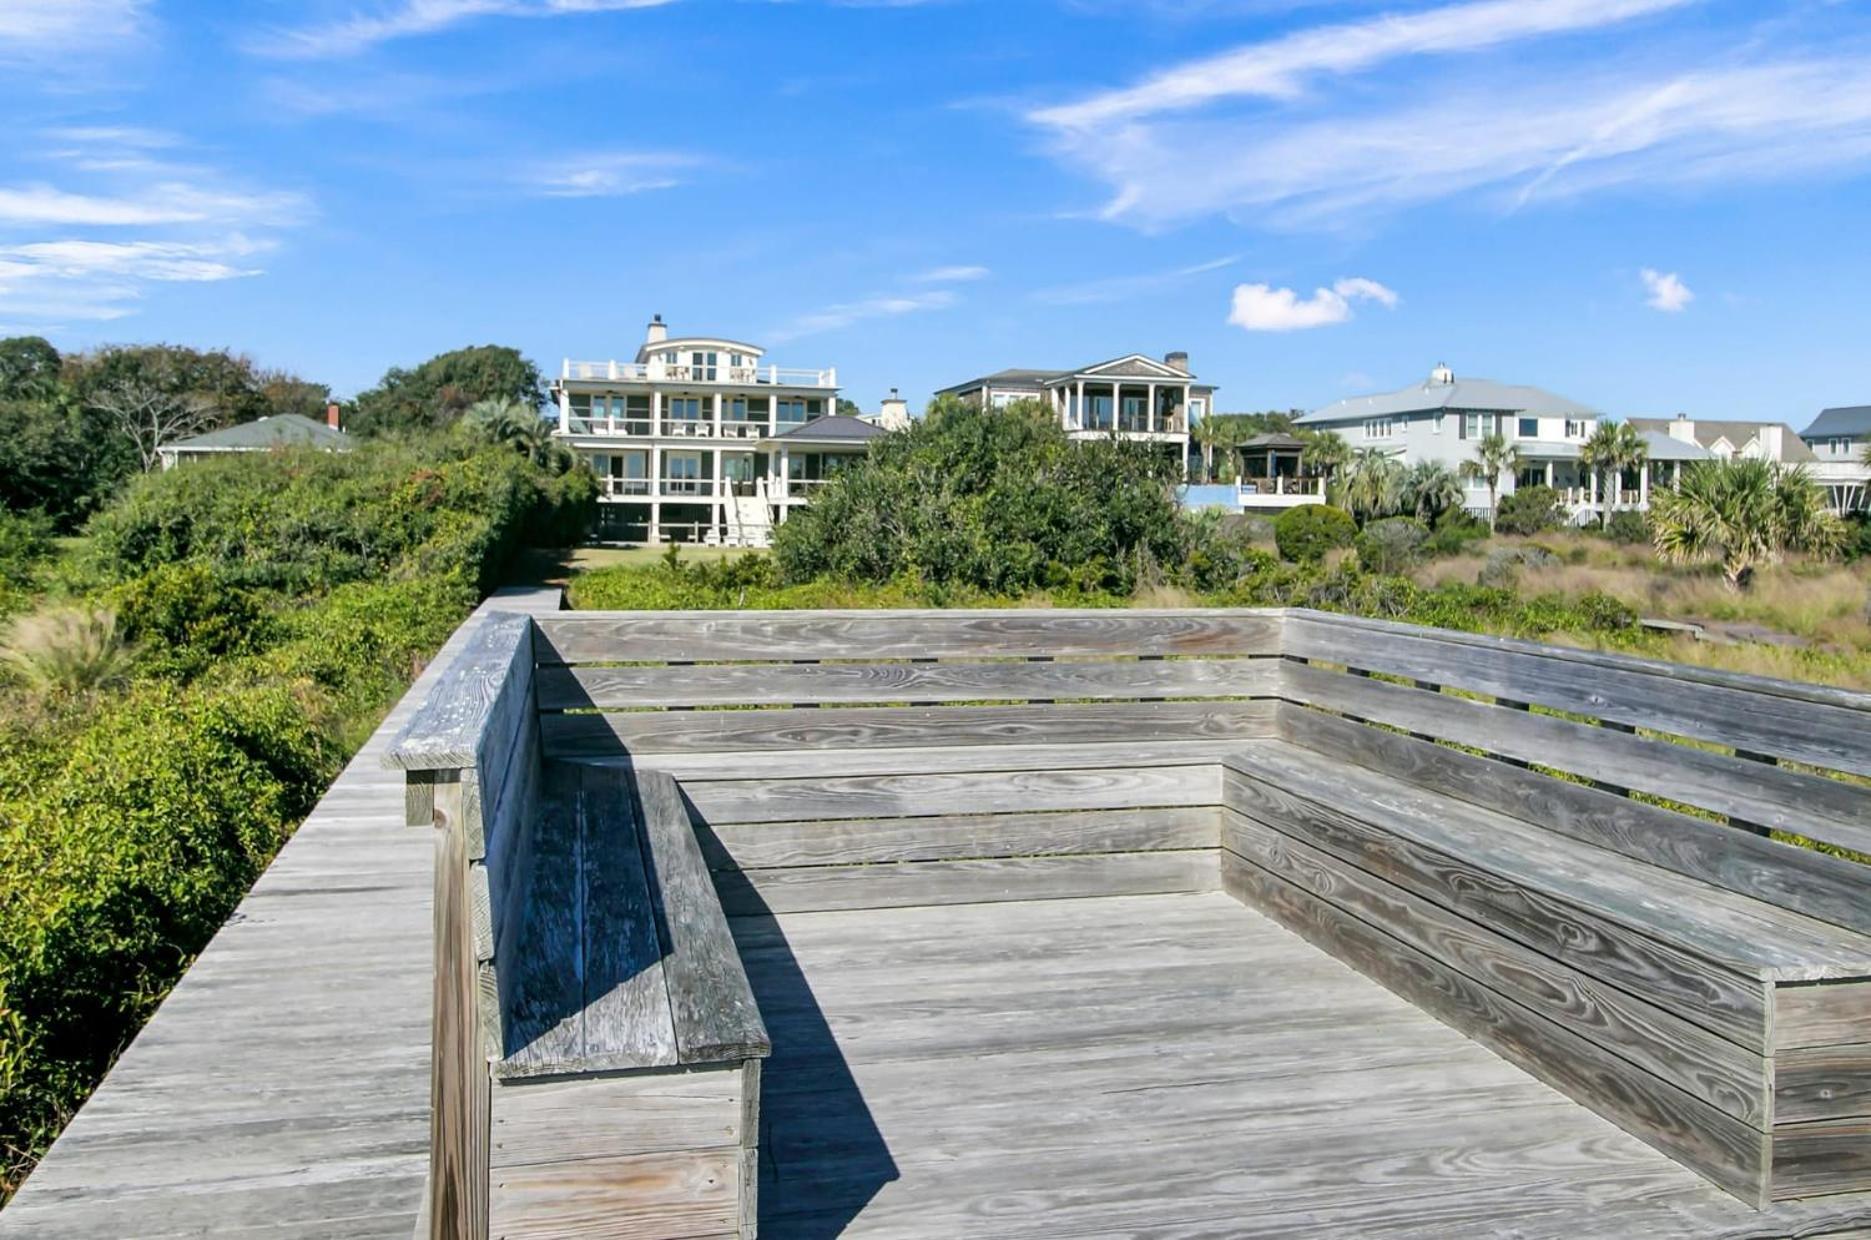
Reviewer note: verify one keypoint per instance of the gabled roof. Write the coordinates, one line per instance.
(1854, 420)
(276, 431)
(1479, 394)
(1666, 447)
(834, 428)
(1130, 366)
(1710, 433)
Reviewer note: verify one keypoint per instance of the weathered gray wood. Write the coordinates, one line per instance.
(1506, 897)
(796, 800)
(1831, 1156)
(628, 1197)
(690, 769)
(650, 1112)
(451, 728)
(662, 733)
(1822, 809)
(1725, 1150)
(457, 1198)
(783, 684)
(1822, 1014)
(1822, 1083)
(587, 990)
(1723, 1074)
(946, 838)
(895, 885)
(710, 1004)
(1808, 723)
(655, 636)
(1712, 922)
(1795, 878)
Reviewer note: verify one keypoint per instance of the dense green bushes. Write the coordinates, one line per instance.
(1306, 533)
(274, 606)
(1529, 510)
(1392, 545)
(992, 500)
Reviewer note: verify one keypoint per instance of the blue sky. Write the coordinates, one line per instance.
(1646, 205)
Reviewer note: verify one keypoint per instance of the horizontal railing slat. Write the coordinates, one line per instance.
(847, 683)
(1810, 805)
(1828, 728)
(587, 637)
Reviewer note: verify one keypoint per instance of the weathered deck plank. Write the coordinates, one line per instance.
(1255, 1087)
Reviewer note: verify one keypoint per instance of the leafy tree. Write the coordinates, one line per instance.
(1613, 448)
(149, 418)
(441, 389)
(1743, 514)
(223, 382)
(1494, 456)
(1529, 510)
(518, 426)
(849, 408)
(1370, 485)
(29, 368)
(285, 392)
(995, 500)
(1325, 451)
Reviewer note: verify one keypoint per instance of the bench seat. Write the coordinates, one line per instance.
(1654, 997)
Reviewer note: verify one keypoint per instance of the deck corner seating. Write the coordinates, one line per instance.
(1602, 868)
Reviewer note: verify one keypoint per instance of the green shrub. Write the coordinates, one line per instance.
(189, 615)
(1857, 536)
(992, 500)
(1391, 545)
(122, 860)
(25, 542)
(1455, 532)
(1628, 526)
(1503, 565)
(1529, 510)
(1306, 533)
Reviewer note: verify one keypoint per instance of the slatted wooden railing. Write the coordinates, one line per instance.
(1584, 861)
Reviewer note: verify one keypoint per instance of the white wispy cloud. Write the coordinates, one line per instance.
(1280, 68)
(34, 28)
(163, 203)
(411, 18)
(1665, 290)
(1743, 123)
(1263, 308)
(844, 314)
(1118, 288)
(958, 274)
(611, 174)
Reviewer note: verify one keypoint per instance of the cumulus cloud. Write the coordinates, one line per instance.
(412, 18)
(1263, 308)
(1665, 291)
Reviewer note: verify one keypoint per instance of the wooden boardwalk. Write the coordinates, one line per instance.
(1173, 1065)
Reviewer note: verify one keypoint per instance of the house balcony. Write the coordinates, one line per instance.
(727, 376)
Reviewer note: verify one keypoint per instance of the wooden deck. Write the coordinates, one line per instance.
(1173, 1065)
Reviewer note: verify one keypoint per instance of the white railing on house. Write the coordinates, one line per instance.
(683, 372)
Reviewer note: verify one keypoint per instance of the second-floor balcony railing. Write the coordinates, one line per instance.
(683, 372)
(608, 426)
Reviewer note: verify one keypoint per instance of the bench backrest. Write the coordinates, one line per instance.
(1639, 755)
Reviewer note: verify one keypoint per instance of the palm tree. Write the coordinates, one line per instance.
(1325, 452)
(518, 425)
(1743, 513)
(1494, 456)
(1613, 448)
(1370, 485)
(1208, 434)
(1430, 489)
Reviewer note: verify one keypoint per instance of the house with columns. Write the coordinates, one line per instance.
(1133, 397)
(1838, 439)
(1441, 419)
(700, 439)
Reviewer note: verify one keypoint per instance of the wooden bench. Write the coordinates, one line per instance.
(1674, 967)
(1591, 888)
(597, 1048)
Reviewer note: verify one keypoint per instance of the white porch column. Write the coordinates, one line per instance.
(656, 411)
(1643, 485)
(1594, 490)
(1080, 401)
(565, 411)
(786, 479)
(1149, 407)
(1549, 475)
(717, 419)
(656, 470)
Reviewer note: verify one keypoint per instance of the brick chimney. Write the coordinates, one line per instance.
(332, 416)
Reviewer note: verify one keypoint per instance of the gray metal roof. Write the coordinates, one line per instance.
(1854, 420)
(1666, 447)
(834, 428)
(276, 431)
(1034, 379)
(1481, 394)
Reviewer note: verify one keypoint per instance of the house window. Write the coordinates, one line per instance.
(1380, 428)
(1575, 428)
(1529, 428)
(1198, 406)
(704, 364)
(792, 409)
(685, 408)
(1475, 425)
(1436, 423)
(682, 465)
